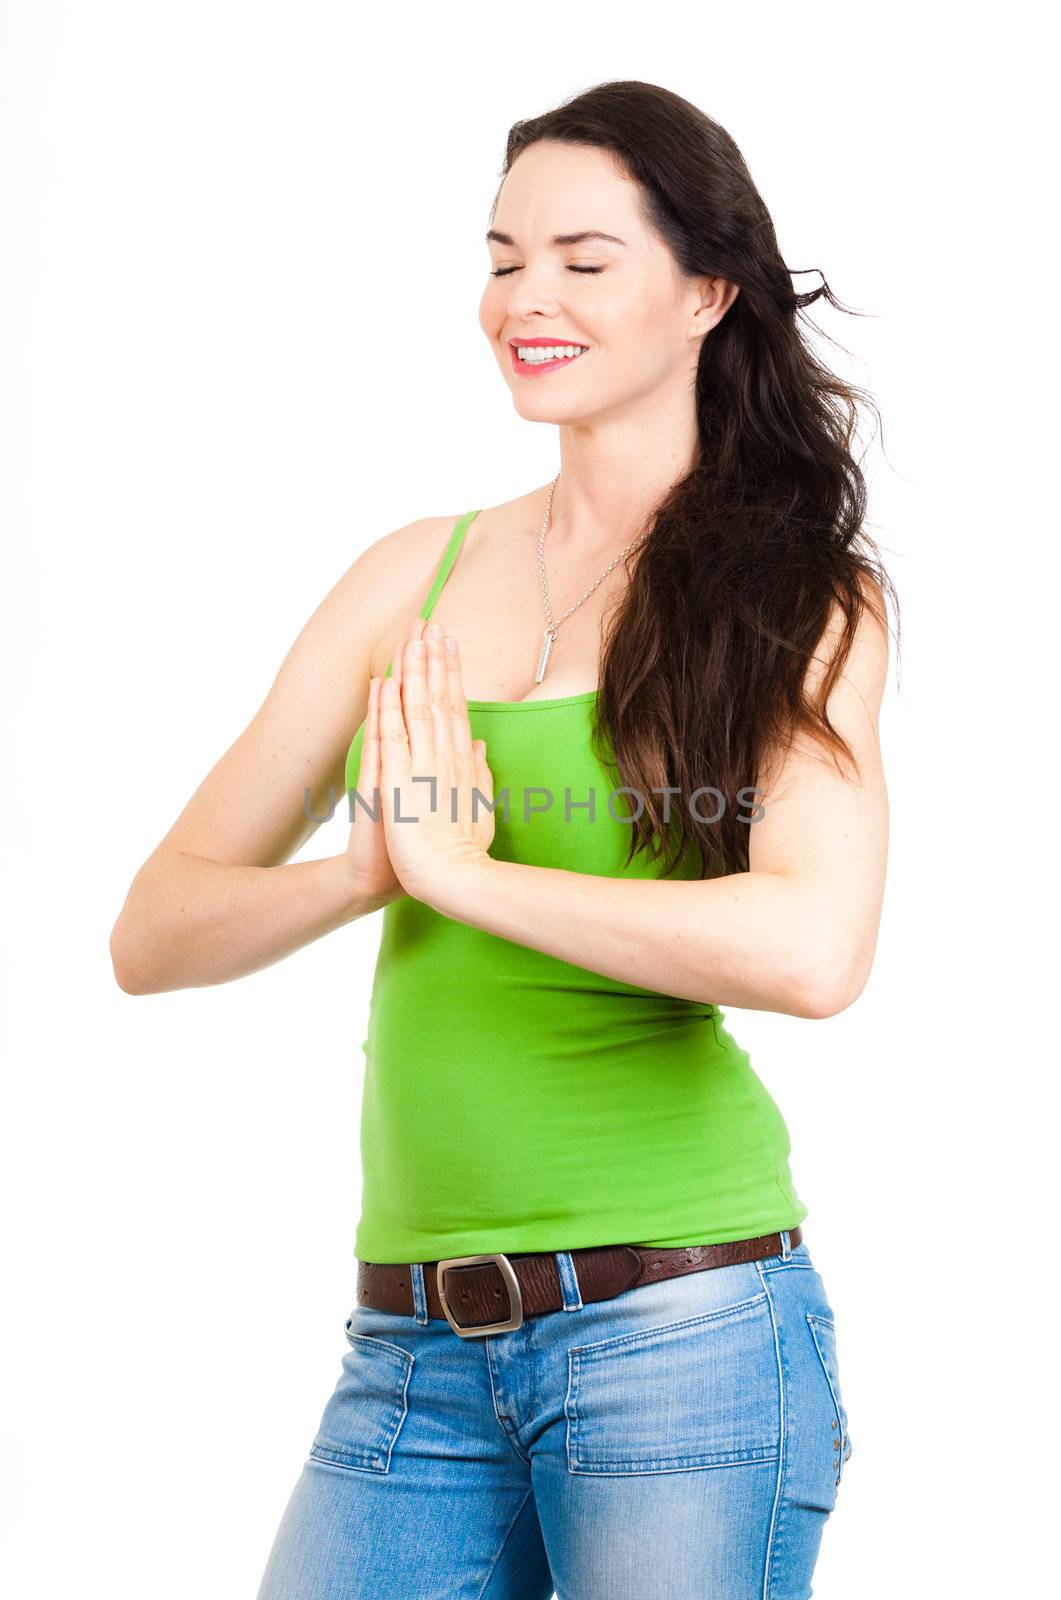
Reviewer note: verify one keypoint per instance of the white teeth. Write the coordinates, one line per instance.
(535, 354)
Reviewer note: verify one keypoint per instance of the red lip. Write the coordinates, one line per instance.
(540, 342)
(527, 369)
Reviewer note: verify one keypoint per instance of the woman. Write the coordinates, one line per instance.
(590, 1350)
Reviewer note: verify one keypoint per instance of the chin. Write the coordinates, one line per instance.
(543, 408)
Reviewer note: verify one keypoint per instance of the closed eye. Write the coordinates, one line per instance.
(503, 272)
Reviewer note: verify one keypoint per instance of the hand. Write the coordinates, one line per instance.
(367, 864)
(430, 762)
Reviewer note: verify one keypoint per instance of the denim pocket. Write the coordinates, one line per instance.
(364, 1416)
(702, 1392)
(824, 1332)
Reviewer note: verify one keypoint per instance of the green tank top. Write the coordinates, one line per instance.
(516, 1102)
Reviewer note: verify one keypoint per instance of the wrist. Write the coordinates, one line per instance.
(356, 897)
(457, 884)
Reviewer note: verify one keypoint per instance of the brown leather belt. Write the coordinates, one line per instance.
(495, 1293)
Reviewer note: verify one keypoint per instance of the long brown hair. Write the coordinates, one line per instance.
(734, 584)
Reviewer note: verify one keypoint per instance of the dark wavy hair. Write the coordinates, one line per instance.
(734, 584)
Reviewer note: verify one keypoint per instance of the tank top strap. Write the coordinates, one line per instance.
(448, 558)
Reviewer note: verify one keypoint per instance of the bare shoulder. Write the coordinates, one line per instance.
(400, 567)
(291, 753)
(523, 511)
(522, 508)
(397, 565)
(397, 570)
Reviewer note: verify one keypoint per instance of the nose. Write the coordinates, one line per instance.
(531, 297)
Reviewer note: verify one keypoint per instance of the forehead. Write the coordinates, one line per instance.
(557, 188)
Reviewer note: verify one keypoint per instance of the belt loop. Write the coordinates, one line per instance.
(786, 1247)
(568, 1281)
(419, 1293)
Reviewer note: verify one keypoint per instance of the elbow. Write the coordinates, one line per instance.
(129, 975)
(135, 942)
(828, 984)
(125, 975)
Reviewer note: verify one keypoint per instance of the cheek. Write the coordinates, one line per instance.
(645, 338)
(492, 309)
(623, 321)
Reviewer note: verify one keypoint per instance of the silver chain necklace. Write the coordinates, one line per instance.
(549, 636)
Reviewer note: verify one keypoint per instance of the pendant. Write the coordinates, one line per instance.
(543, 659)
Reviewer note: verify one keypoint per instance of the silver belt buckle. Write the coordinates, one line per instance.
(515, 1316)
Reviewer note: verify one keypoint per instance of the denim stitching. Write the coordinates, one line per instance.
(782, 1454)
(514, 1446)
(568, 1281)
(333, 1453)
(798, 1257)
(420, 1310)
(815, 1319)
(640, 1334)
(703, 1459)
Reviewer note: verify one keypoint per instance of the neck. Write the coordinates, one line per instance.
(612, 479)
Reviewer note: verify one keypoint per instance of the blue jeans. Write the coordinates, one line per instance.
(682, 1441)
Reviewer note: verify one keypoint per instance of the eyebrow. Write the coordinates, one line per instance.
(558, 238)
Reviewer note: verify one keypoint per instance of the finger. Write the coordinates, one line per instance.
(368, 780)
(464, 751)
(414, 630)
(416, 706)
(394, 757)
(367, 773)
(460, 726)
(438, 695)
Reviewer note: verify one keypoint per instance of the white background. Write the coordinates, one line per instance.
(242, 254)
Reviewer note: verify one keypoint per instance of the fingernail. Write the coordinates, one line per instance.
(418, 647)
(451, 647)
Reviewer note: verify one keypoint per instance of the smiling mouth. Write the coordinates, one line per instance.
(543, 355)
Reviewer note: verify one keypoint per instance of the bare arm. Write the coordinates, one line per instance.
(219, 897)
(795, 934)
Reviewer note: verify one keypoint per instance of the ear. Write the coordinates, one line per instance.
(715, 296)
